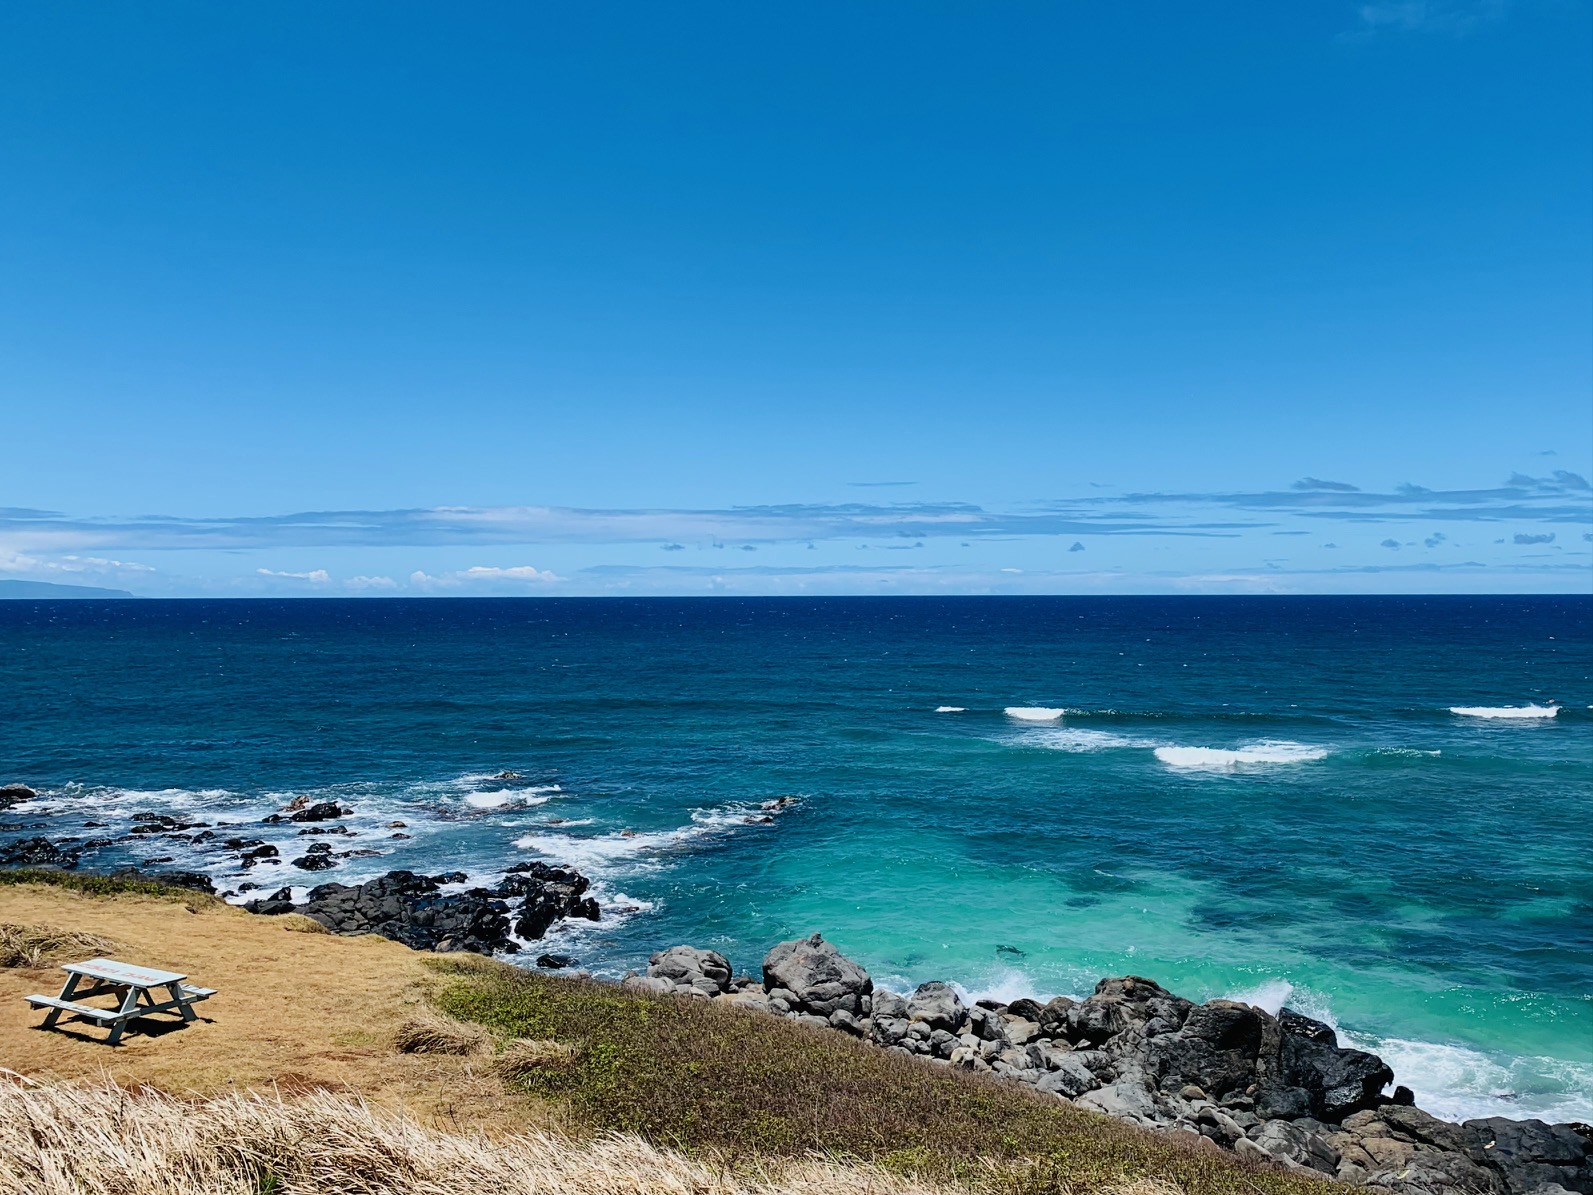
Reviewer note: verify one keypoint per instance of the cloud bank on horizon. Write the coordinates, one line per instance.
(1339, 537)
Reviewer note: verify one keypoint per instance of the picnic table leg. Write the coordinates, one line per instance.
(129, 1007)
(67, 988)
(183, 1005)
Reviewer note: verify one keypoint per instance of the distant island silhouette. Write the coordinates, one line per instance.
(48, 590)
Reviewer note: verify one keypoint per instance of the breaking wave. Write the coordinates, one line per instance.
(1216, 759)
(1034, 713)
(1506, 712)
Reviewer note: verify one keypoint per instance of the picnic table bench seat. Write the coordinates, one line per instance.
(82, 1010)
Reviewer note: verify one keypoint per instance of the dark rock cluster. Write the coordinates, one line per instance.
(414, 910)
(1224, 1074)
(14, 794)
(41, 852)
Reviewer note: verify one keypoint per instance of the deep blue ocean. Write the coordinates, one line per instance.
(1270, 798)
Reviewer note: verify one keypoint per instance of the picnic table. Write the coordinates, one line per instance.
(136, 988)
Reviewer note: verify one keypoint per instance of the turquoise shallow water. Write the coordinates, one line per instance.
(1269, 798)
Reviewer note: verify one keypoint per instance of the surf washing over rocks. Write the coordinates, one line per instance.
(1224, 1074)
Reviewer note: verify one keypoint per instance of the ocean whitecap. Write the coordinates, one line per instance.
(951, 709)
(1506, 712)
(1034, 713)
(1215, 759)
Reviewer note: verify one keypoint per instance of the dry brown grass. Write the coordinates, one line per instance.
(37, 946)
(524, 1057)
(298, 923)
(427, 1033)
(292, 1010)
(103, 1140)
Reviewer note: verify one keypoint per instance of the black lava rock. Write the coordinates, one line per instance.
(549, 894)
(414, 910)
(40, 852)
(15, 794)
(172, 879)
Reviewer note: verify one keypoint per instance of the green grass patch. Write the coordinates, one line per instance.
(99, 885)
(707, 1077)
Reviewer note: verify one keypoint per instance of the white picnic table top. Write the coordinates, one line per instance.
(112, 971)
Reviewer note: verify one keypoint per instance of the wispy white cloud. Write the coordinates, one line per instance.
(480, 578)
(1562, 496)
(317, 576)
(68, 564)
(1452, 17)
(422, 550)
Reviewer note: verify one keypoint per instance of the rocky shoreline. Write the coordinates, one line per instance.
(401, 905)
(1225, 1075)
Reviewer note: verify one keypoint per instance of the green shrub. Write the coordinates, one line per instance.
(99, 885)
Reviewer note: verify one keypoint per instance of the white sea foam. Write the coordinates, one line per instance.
(1076, 739)
(1511, 712)
(1006, 985)
(1269, 996)
(1034, 713)
(951, 709)
(601, 853)
(1456, 1082)
(1453, 1082)
(499, 800)
(1213, 759)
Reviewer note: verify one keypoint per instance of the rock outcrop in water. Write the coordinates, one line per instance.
(413, 909)
(41, 852)
(14, 794)
(1223, 1074)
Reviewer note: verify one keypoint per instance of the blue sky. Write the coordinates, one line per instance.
(388, 299)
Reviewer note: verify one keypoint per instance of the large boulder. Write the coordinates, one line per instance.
(1338, 1081)
(1216, 1049)
(1070, 1078)
(1301, 1025)
(1297, 1146)
(1530, 1153)
(193, 880)
(819, 976)
(15, 794)
(1127, 1099)
(279, 902)
(1119, 1004)
(938, 1006)
(705, 971)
